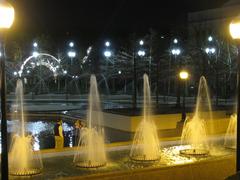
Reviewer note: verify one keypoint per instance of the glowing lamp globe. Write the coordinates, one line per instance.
(183, 75)
(234, 29)
(6, 15)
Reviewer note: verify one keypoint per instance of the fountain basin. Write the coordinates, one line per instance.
(26, 172)
(142, 158)
(194, 152)
(90, 164)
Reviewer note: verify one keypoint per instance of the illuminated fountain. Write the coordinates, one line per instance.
(91, 149)
(231, 134)
(195, 132)
(146, 146)
(23, 161)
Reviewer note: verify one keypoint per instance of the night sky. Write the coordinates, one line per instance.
(88, 19)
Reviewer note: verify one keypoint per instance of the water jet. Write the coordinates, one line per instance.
(146, 146)
(90, 151)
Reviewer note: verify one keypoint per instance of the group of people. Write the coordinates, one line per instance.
(59, 133)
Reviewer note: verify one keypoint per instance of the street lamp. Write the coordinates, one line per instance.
(234, 28)
(184, 76)
(71, 54)
(141, 53)
(176, 51)
(6, 21)
(212, 52)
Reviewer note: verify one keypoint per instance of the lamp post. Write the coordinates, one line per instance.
(234, 28)
(71, 52)
(176, 51)
(212, 52)
(140, 53)
(6, 21)
(184, 76)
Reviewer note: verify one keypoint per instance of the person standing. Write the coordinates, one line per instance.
(77, 130)
(58, 134)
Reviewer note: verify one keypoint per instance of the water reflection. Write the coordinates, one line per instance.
(42, 133)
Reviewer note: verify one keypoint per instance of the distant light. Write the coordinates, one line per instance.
(89, 50)
(175, 41)
(162, 37)
(141, 53)
(141, 42)
(119, 72)
(176, 51)
(64, 112)
(210, 50)
(64, 72)
(15, 73)
(213, 50)
(207, 50)
(57, 66)
(71, 44)
(28, 71)
(107, 43)
(210, 38)
(71, 54)
(183, 75)
(35, 44)
(107, 54)
(35, 54)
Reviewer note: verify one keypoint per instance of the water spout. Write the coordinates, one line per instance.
(195, 130)
(90, 152)
(146, 146)
(23, 161)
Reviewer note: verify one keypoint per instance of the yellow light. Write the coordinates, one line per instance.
(183, 75)
(234, 29)
(6, 15)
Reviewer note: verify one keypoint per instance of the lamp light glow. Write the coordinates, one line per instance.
(107, 54)
(210, 38)
(234, 29)
(35, 54)
(183, 75)
(107, 43)
(71, 54)
(71, 44)
(176, 51)
(6, 15)
(35, 44)
(141, 53)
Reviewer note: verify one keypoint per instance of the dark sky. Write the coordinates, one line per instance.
(92, 19)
